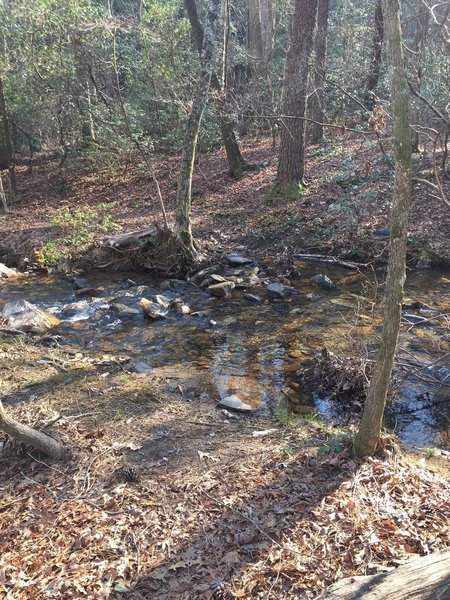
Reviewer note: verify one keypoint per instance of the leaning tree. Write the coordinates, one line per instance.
(368, 436)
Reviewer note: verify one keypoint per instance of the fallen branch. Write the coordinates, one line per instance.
(31, 437)
(122, 240)
(348, 264)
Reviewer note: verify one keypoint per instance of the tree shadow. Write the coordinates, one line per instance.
(251, 526)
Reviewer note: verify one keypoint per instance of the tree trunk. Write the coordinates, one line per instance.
(236, 163)
(425, 578)
(260, 36)
(418, 48)
(291, 166)
(375, 62)
(31, 437)
(318, 98)
(6, 153)
(369, 432)
(183, 215)
(3, 196)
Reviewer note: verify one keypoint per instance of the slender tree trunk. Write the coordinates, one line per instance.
(318, 98)
(369, 432)
(291, 166)
(418, 48)
(31, 437)
(3, 196)
(183, 214)
(236, 163)
(375, 62)
(6, 153)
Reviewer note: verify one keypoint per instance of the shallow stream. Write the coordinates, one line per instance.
(235, 345)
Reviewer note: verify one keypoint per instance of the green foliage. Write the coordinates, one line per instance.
(335, 443)
(81, 226)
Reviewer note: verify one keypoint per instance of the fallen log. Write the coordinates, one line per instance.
(123, 240)
(425, 578)
(348, 264)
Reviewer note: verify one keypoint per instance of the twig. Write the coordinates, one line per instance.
(16, 501)
(30, 479)
(86, 479)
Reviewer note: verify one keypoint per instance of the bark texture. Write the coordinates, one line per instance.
(260, 36)
(236, 162)
(369, 432)
(318, 98)
(291, 166)
(6, 153)
(30, 436)
(425, 578)
(375, 62)
(183, 214)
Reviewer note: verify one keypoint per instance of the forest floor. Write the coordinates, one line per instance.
(163, 497)
(341, 213)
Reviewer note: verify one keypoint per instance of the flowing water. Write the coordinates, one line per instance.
(233, 345)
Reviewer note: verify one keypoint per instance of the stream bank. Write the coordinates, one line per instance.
(256, 341)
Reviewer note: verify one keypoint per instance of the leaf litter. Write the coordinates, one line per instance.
(168, 499)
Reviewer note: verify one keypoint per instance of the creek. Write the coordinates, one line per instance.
(235, 345)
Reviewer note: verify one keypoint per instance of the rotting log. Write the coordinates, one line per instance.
(425, 578)
(123, 240)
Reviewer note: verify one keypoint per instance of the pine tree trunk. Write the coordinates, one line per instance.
(369, 432)
(375, 63)
(183, 214)
(30, 436)
(236, 163)
(318, 98)
(291, 166)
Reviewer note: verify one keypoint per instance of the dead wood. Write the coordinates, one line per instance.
(348, 264)
(425, 578)
(124, 240)
(31, 437)
(342, 376)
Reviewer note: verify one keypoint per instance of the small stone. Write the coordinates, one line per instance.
(180, 307)
(90, 292)
(233, 402)
(253, 298)
(162, 300)
(153, 310)
(324, 282)
(277, 289)
(139, 366)
(123, 309)
(217, 278)
(237, 260)
(220, 290)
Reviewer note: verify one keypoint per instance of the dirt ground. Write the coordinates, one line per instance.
(163, 497)
(347, 201)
